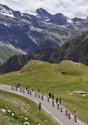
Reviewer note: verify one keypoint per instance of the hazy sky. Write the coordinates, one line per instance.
(70, 8)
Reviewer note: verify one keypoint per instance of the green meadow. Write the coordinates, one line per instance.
(16, 110)
(59, 79)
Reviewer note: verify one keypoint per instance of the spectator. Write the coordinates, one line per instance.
(39, 106)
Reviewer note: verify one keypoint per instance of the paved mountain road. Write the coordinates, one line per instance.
(53, 111)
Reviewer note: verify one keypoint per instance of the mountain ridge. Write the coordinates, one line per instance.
(75, 50)
(33, 32)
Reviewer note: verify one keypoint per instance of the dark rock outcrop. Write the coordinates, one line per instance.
(15, 63)
(75, 50)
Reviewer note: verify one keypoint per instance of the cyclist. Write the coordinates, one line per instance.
(66, 112)
(48, 99)
(42, 97)
(20, 89)
(12, 88)
(58, 106)
(27, 91)
(30, 92)
(53, 103)
(23, 91)
(35, 94)
(38, 95)
(69, 116)
(61, 109)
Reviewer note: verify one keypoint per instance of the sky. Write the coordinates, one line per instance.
(70, 8)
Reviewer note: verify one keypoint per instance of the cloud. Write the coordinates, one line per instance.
(70, 8)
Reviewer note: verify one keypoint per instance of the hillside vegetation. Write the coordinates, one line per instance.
(75, 50)
(60, 79)
(16, 110)
(7, 51)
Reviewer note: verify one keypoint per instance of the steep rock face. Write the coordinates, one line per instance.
(77, 19)
(14, 63)
(59, 19)
(43, 13)
(43, 54)
(5, 10)
(75, 50)
(17, 37)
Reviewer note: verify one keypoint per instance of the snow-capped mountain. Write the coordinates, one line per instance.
(43, 14)
(5, 10)
(58, 18)
(30, 31)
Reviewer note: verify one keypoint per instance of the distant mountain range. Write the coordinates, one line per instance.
(75, 50)
(39, 30)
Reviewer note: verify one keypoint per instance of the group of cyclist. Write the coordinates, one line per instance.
(58, 102)
(50, 96)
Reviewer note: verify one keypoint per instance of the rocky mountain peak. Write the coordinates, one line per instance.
(43, 13)
(76, 19)
(4, 7)
(5, 10)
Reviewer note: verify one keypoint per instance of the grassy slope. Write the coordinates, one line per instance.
(48, 78)
(6, 53)
(21, 106)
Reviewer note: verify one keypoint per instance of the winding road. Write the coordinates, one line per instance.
(59, 116)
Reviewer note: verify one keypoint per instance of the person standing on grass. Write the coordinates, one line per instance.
(32, 89)
(52, 97)
(49, 95)
(60, 100)
(75, 117)
(39, 106)
(56, 100)
(38, 93)
(18, 85)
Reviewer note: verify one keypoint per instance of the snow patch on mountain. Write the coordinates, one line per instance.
(47, 20)
(6, 12)
(69, 21)
(32, 28)
(33, 39)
